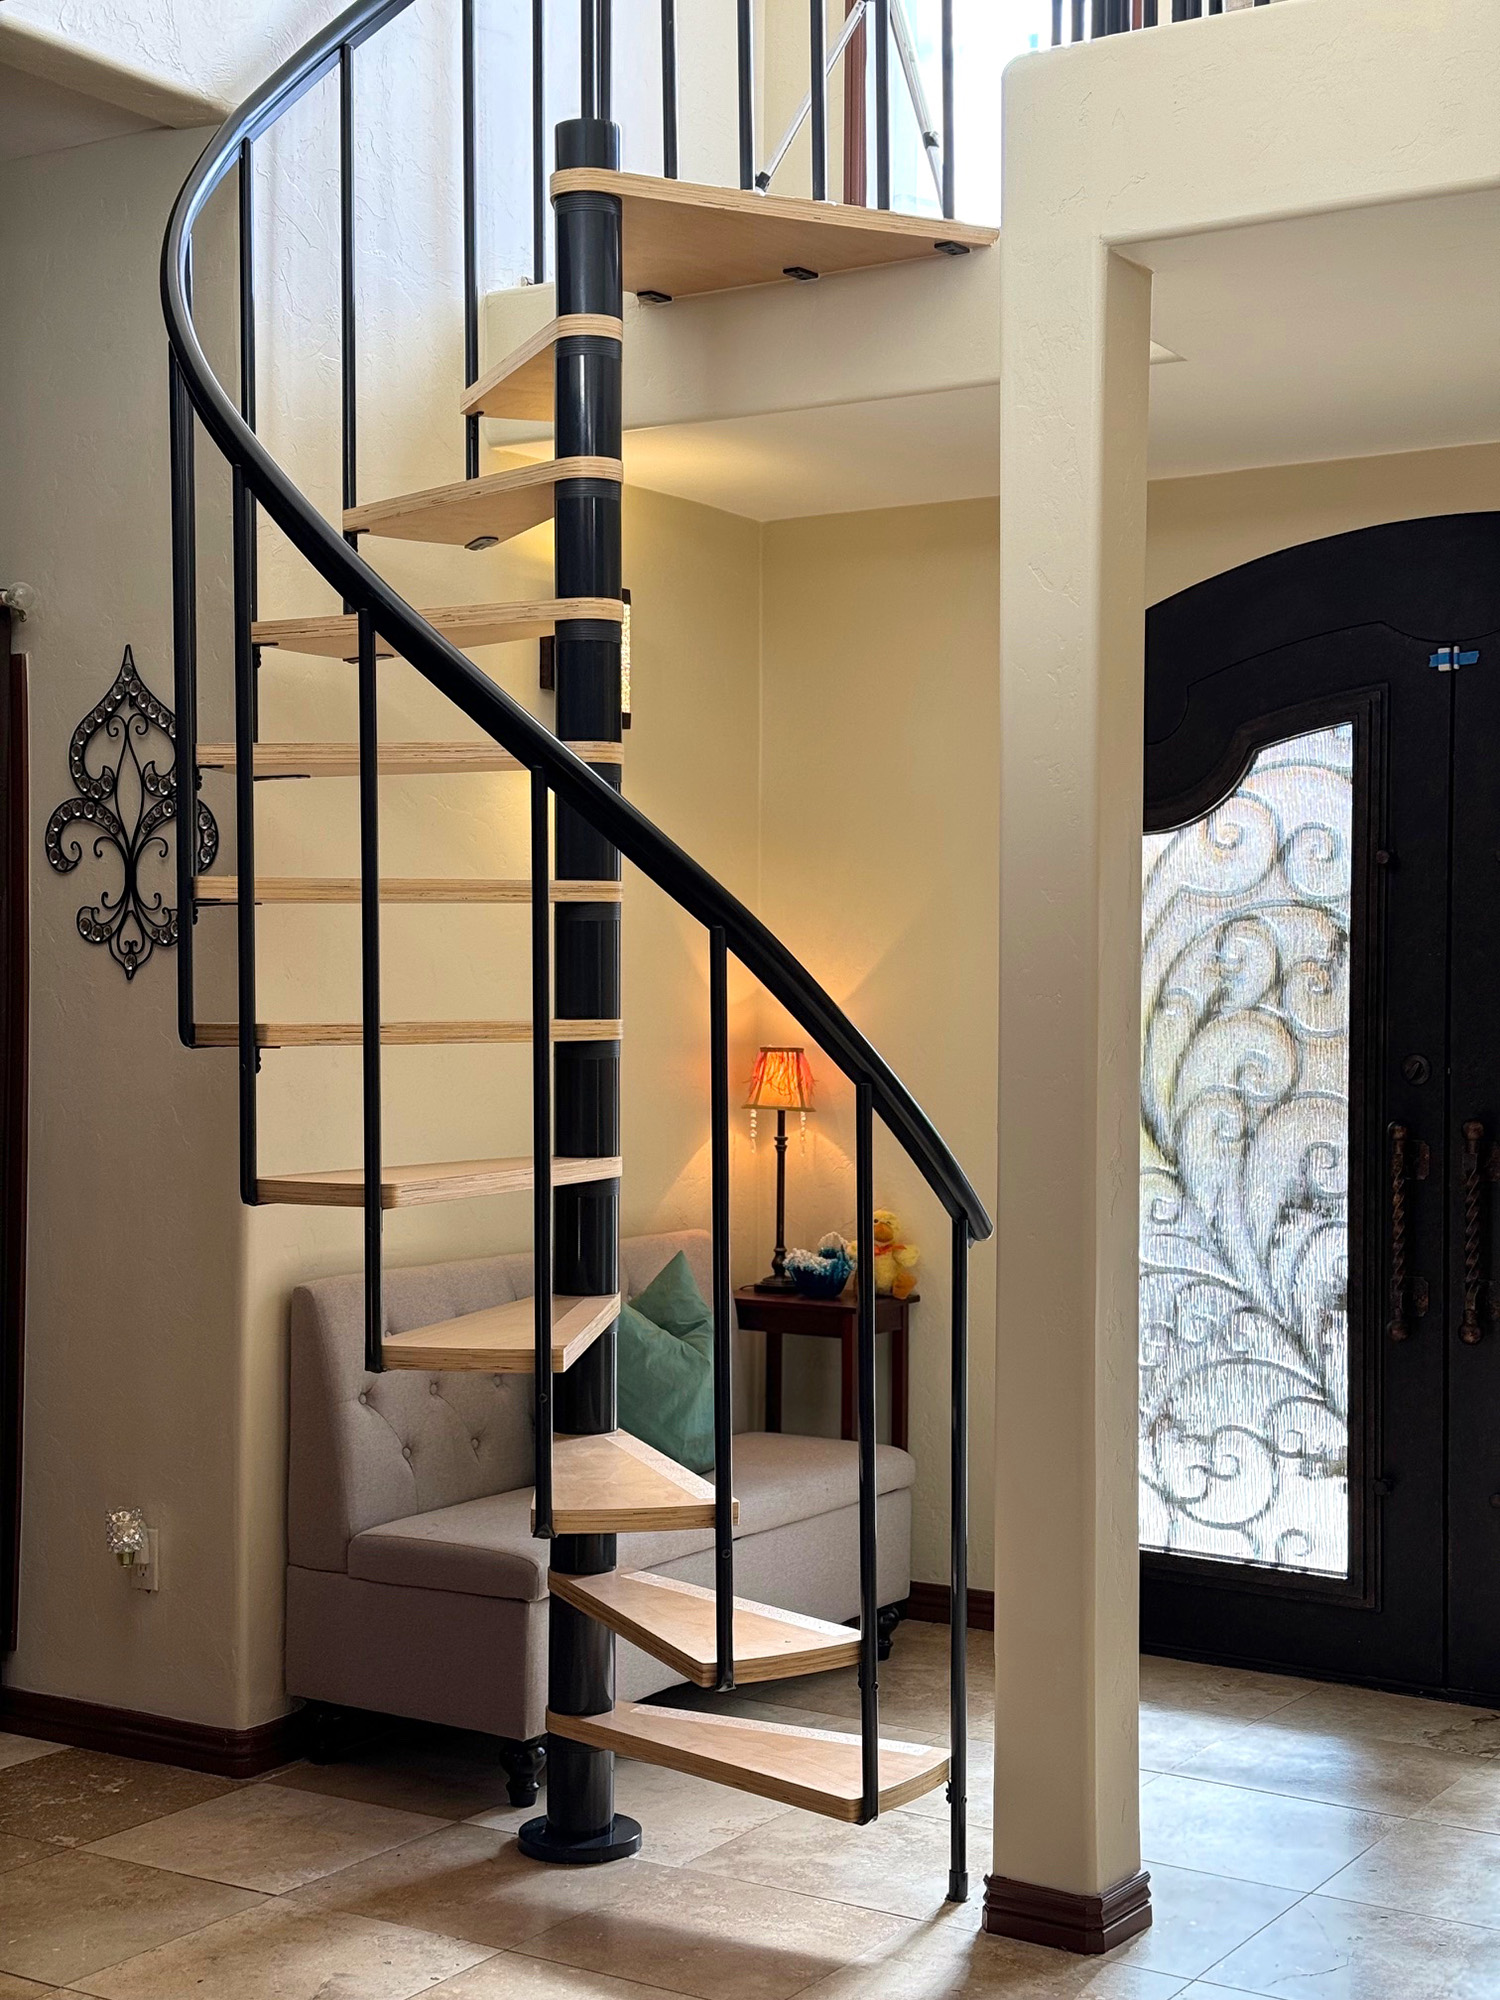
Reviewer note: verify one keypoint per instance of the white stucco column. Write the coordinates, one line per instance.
(1075, 341)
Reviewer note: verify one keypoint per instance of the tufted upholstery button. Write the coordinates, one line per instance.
(475, 1443)
(364, 1395)
(406, 1451)
(432, 1388)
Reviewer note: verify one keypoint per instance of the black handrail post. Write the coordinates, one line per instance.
(882, 40)
(347, 356)
(718, 989)
(958, 1576)
(818, 85)
(541, 1144)
(580, 1823)
(244, 842)
(538, 142)
(588, 60)
(869, 1610)
(950, 181)
(669, 89)
(606, 58)
(246, 191)
(471, 240)
(369, 957)
(745, 78)
(184, 684)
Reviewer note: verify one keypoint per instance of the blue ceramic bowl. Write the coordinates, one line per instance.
(818, 1276)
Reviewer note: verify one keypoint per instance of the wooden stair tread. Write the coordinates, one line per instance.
(522, 384)
(680, 238)
(813, 1768)
(341, 760)
(674, 1622)
(491, 509)
(501, 1340)
(336, 636)
(220, 891)
(433, 1181)
(398, 1034)
(613, 1482)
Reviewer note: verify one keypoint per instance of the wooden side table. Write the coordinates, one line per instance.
(776, 1314)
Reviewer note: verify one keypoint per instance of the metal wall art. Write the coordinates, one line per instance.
(127, 804)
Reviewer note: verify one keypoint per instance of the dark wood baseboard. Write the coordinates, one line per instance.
(160, 1739)
(929, 1604)
(1065, 1920)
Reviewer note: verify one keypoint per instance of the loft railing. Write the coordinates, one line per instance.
(1089, 20)
(197, 396)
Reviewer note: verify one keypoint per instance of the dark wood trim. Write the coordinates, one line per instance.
(856, 151)
(1064, 1919)
(15, 975)
(160, 1739)
(929, 1605)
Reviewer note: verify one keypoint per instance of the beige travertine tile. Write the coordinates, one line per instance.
(448, 1774)
(1472, 1800)
(16, 1853)
(1340, 1769)
(1397, 1718)
(82, 1795)
(64, 1917)
(23, 1989)
(681, 1817)
(980, 1786)
(469, 1882)
(276, 1953)
(267, 1837)
(713, 1937)
(24, 1749)
(1430, 1871)
(1251, 1836)
(1196, 1919)
(1172, 1737)
(900, 1864)
(1327, 1950)
(508, 1976)
(1233, 1692)
(953, 1960)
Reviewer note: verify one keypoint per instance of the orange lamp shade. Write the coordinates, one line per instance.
(782, 1081)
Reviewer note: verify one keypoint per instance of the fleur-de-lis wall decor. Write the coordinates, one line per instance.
(126, 805)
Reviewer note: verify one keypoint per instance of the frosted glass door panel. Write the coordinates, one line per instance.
(1244, 1327)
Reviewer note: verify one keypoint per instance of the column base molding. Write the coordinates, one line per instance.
(1065, 1919)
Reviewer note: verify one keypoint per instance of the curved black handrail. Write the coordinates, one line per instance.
(658, 857)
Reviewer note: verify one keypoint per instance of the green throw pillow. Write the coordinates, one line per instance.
(666, 1368)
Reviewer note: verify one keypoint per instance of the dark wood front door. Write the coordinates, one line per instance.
(14, 983)
(1320, 1379)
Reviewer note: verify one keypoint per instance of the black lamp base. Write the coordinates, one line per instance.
(774, 1284)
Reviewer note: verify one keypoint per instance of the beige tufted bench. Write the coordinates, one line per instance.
(414, 1584)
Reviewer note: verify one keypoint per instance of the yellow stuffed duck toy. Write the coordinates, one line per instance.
(895, 1262)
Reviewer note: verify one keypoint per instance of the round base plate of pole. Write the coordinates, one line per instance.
(621, 1839)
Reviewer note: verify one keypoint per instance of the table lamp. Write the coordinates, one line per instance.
(782, 1082)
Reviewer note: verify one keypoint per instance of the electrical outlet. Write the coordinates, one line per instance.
(145, 1571)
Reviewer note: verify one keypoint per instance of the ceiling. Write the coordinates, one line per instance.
(39, 116)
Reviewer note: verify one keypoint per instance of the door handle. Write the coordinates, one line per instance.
(1408, 1161)
(1476, 1240)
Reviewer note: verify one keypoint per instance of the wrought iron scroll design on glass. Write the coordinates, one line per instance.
(1244, 1261)
(127, 804)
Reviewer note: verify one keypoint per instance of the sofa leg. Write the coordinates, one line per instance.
(330, 1732)
(887, 1619)
(523, 1764)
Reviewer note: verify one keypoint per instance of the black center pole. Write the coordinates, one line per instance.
(581, 1823)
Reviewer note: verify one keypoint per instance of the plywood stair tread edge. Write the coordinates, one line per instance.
(819, 1770)
(611, 1481)
(675, 1622)
(494, 507)
(520, 385)
(501, 1339)
(337, 633)
(212, 891)
(340, 759)
(399, 1034)
(430, 1181)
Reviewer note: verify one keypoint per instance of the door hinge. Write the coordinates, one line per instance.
(1448, 659)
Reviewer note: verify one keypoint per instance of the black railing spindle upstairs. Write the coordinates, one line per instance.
(817, 83)
(882, 41)
(718, 1058)
(181, 427)
(588, 60)
(1149, 13)
(471, 236)
(1077, 20)
(745, 79)
(869, 1611)
(949, 177)
(669, 89)
(244, 839)
(541, 1145)
(606, 58)
(1057, 7)
(246, 193)
(369, 999)
(538, 142)
(958, 1574)
(348, 356)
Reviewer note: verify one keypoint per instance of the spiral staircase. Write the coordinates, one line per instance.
(615, 232)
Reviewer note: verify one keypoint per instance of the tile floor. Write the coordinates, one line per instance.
(1302, 1840)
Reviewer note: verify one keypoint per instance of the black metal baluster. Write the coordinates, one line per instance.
(471, 242)
(246, 192)
(184, 684)
(369, 965)
(1077, 20)
(869, 1610)
(1098, 19)
(606, 57)
(1148, 14)
(958, 1576)
(346, 283)
(882, 40)
(745, 76)
(669, 89)
(718, 1057)
(818, 84)
(541, 1142)
(244, 841)
(588, 62)
(1056, 23)
(950, 184)
(539, 141)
